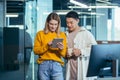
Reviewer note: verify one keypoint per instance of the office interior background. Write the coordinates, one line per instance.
(20, 20)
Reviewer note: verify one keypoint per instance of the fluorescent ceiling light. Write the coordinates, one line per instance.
(102, 0)
(18, 26)
(61, 13)
(93, 7)
(64, 12)
(11, 15)
(78, 3)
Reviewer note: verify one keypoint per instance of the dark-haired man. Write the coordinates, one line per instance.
(79, 45)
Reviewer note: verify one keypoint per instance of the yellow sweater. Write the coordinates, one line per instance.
(45, 52)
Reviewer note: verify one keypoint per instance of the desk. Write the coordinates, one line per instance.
(113, 78)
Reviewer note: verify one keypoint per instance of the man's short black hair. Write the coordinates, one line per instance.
(72, 14)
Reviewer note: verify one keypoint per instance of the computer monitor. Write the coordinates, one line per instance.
(101, 58)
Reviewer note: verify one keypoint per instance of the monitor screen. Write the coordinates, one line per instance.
(100, 59)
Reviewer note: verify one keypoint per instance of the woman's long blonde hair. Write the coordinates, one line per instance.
(52, 16)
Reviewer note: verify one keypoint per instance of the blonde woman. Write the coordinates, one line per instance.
(50, 59)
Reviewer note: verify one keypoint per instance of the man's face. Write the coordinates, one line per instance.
(72, 24)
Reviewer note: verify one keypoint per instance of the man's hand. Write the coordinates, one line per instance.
(76, 52)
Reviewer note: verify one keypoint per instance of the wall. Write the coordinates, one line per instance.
(101, 24)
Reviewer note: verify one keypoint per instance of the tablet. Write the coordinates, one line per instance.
(55, 41)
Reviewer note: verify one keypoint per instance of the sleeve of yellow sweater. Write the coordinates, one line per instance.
(39, 48)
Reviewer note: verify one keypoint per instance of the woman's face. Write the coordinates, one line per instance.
(53, 24)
